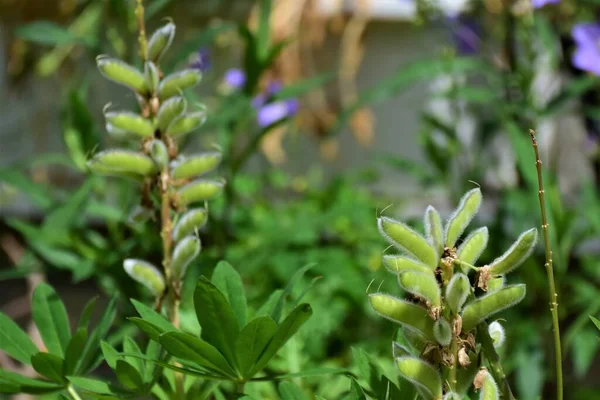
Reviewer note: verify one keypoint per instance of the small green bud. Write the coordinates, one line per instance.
(408, 240)
(122, 73)
(186, 123)
(442, 331)
(486, 306)
(189, 222)
(422, 375)
(434, 230)
(403, 313)
(199, 190)
(146, 274)
(184, 253)
(496, 332)
(168, 111)
(421, 284)
(173, 84)
(516, 254)
(470, 250)
(457, 291)
(126, 121)
(487, 386)
(159, 153)
(160, 41)
(397, 264)
(122, 163)
(462, 216)
(194, 165)
(152, 76)
(496, 284)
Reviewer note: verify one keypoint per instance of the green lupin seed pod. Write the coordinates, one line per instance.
(403, 312)
(173, 84)
(199, 190)
(126, 121)
(496, 284)
(189, 222)
(186, 123)
(516, 254)
(159, 153)
(422, 375)
(415, 339)
(442, 331)
(160, 41)
(399, 350)
(462, 216)
(489, 389)
(434, 230)
(496, 332)
(457, 292)
(185, 252)
(168, 111)
(407, 239)
(152, 76)
(194, 165)
(421, 284)
(120, 134)
(122, 163)
(146, 274)
(488, 305)
(397, 264)
(470, 250)
(122, 73)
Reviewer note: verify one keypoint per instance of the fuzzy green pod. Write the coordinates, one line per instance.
(189, 222)
(185, 252)
(496, 331)
(173, 84)
(120, 134)
(421, 374)
(186, 123)
(496, 284)
(516, 254)
(199, 190)
(160, 41)
(133, 123)
(194, 165)
(399, 350)
(434, 230)
(421, 284)
(397, 264)
(489, 389)
(159, 153)
(470, 250)
(462, 216)
(407, 239)
(168, 111)
(488, 305)
(414, 338)
(152, 76)
(122, 73)
(122, 163)
(457, 291)
(145, 274)
(404, 313)
(442, 331)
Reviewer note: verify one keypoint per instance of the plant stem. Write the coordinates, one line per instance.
(240, 387)
(139, 13)
(454, 366)
(549, 271)
(73, 393)
(496, 369)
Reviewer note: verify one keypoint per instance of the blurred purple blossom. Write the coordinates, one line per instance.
(542, 3)
(587, 52)
(200, 60)
(466, 34)
(235, 78)
(271, 113)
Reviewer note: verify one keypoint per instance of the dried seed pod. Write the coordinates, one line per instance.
(421, 374)
(168, 111)
(194, 165)
(496, 332)
(159, 153)
(152, 76)
(516, 254)
(462, 216)
(421, 284)
(407, 239)
(404, 313)
(122, 73)
(160, 41)
(496, 284)
(457, 291)
(173, 84)
(189, 222)
(487, 386)
(442, 331)
(434, 230)
(397, 264)
(470, 250)
(126, 121)
(199, 190)
(145, 273)
(122, 163)
(185, 252)
(186, 123)
(488, 305)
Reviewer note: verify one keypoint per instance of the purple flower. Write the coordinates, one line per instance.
(587, 52)
(276, 111)
(542, 3)
(200, 60)
(465, 35)
(235, 78)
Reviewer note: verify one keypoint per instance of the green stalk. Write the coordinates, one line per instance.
(139, 13)
(549, 271)
(496, 369)
(73, 393)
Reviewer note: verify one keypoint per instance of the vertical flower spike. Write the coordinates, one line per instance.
(442, 331)
(421, 374)
(434, 230)
(486, 306)
(421, 284)
(462, 216)
(470, 250)
(404, 313)
(516, 254)
(146, 274)
(457, 292)
(496, 332)
(185, 252)
(406, 239)
(121, 73)
(484, 382)
(398, 264)
(160, 41)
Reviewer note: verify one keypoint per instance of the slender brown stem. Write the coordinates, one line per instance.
(549, 271)
(139, 13)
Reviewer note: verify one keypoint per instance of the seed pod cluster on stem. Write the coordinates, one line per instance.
(451, 348)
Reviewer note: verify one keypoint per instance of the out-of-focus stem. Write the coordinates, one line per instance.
(139, 13)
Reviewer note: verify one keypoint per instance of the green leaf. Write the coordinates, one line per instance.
(50, 316)
(48, 365)
(462, 216)
(278, 308)
(263, 36)
(289, 391)
(151, 316)
(406, 239)
(149, 329)
(596, 322)
(585, 349)
(130, 347)
(74, 351)
(15, 342)
(38, 194)
(86, 314)
(229, 282)
(95, 386)
(70, 212)
(111, 355)
(356, 392)
(252, 341)
(191, 371)
(46, 32)
(128, 375)
(304, 86)
(219, 324)
(11, 380)
(303, 374)
(91, 348)
(269, 306)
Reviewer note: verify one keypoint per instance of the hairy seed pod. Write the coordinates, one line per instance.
(462, 216)
(168, 111)
(173, 84)
(434, 230)
(120, 134)
(186, 123)
(421, 284)
(160, 41)
(486, 306)
(199, 190)
(496, 284)
(189, 222)
(185, 252)
(397, 264)
(470, 250)
(487, 386)
(399, 350)
(159, 153)
(415, 339)
(516, 254)
(130, 122)
(194, 165)
(403, 312)
(122, 163)
(152, 76)
(407, 239)
(146, 274)
(122, 73)
(457, 291)
(421, 374)
(442, 331)
(496, 332)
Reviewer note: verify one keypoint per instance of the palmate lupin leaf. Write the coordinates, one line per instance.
(122, 73)
(421, 374)
(407, 239)
(434, 230)
(402, 312)
(462, 216)
(422, 284)
(472, 247)
(457, 291)
(160, 41)
(516, 254)
(397, 264)
(189, 222)
(195, 165)
(173, 84)
(488, 305)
